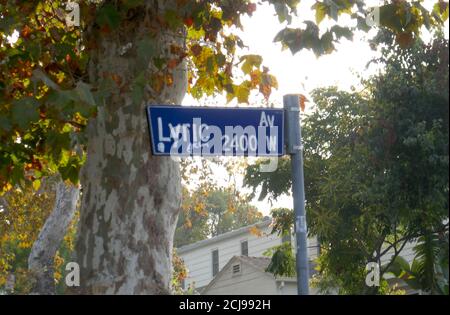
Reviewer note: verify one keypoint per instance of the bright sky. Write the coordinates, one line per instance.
(302, 72)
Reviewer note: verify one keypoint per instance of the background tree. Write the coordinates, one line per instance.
(376, 165)
(75, 95)
(428, 271)
(208, 213)
(192, 225)
(179, 275)
(23, 213)
(45, 247)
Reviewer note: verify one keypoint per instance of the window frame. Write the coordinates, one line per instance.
(244, 242)
(215, 266)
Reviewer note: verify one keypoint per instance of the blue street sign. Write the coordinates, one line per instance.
(213, 131)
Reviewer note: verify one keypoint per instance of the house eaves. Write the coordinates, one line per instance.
(224, 236)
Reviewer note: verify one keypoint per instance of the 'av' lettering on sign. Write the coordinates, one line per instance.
(213, 131)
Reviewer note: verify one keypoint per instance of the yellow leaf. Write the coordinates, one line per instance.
(273, 81)
(36, 184)
(250, 61)
(242, 94)
(255, 231)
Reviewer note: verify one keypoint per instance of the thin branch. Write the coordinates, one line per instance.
(396, 253)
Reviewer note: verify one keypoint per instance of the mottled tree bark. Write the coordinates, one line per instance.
(130, 199)
(41, 259)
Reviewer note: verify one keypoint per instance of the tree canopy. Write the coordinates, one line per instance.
(47, 98)
(376, 165)
(211, 212)
(73, 79)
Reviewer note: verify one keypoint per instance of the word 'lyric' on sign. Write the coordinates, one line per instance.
(214, 131)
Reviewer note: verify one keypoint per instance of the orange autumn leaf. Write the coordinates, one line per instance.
(266, 90)
(172, 63)
(188, 22)
(405, 39)
(26, 31)
(231, 207)
(169, 79)
(302, 100)
(255, 231)
(116, 78)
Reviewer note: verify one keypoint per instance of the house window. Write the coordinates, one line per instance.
(244, 248)
(215, 262)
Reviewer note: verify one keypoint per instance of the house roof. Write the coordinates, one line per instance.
(260, 264)
(224, 236)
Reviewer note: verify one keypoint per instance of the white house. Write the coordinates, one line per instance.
(206, 258)
(244, 275)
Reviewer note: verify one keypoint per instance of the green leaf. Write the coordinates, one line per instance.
(220, 60)
(230, 96)
(159, 62)
(137, 88)
(242, 93)
(340, 31)
(84, 93)
(25, 111)
(39, 75)
(389, 17)
(6, 23)
(5, 123)
(282, 262)
(215, 24)
(425, 16)
(68, 102)
(108, 15)
(321, 11)
(326, 44)
(34, 50)
(71, 170)
(18, 175)
(36, 184)
(282, 12)
(362, 24)
(57, 143)
(129, 4)
(173, 19)
(290, 38)
(441, 9)
(146, 50)
(399, 266)
(210, 64)
(250, 61)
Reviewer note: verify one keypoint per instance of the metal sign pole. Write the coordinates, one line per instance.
(294, 147)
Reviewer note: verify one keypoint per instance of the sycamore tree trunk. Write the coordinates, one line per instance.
(42, 255)
(130, 199)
